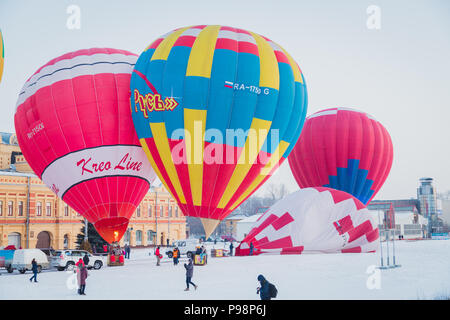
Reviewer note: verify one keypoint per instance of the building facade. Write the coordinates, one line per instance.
(32, 216)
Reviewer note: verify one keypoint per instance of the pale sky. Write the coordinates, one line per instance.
(399, 73)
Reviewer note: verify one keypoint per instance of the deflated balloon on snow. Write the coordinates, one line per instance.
(216, 109)
(314, 220)
(74, 128)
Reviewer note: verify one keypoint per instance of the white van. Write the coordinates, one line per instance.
(187, 247)
(23, 257)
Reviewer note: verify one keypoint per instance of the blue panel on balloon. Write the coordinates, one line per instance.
(352, 180)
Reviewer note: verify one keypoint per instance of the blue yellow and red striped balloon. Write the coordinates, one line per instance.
(217, 110)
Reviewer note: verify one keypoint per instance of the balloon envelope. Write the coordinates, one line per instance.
(344, 149)
(216, 110)
(74, 128)
(313, 220)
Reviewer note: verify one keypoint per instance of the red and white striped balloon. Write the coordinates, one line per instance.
(74, 127)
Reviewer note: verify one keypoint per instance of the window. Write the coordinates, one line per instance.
(48, 209)
(176, 211)
(138, 237)
(10, 208)
(138, 211)
(149, 210)
(20, 208)
(39, 209)
(1, 208)
(170, 211)
(161, 210)
(66, 210)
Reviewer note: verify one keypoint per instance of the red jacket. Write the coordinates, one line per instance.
(157, 252)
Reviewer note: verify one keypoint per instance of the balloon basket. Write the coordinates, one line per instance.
(115, 260)
(218, 253)
(200, 259)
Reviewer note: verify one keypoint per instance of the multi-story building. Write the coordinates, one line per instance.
(32, 216)
(426, 195)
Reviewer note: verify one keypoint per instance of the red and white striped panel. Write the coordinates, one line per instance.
(314, 220)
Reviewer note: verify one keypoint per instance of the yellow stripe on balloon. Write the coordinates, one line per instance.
(274, 160)
(202, 52)
(194, 129)
(163, 49)
(269, 75)
(162, 144)
(153, 164)
(255, 140)
(295, 68)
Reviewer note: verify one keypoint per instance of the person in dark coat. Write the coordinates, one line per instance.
(263, 290)
(231, 249)
(189, 273)
(86, 259)
(251, 248)
(34, 268)
(82, 274)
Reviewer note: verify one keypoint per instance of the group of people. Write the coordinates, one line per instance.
(266, 290)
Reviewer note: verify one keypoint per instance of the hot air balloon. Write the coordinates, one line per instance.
(313, 220)
(2, 55)
(344, 149)
(74, 128)
(216, 110)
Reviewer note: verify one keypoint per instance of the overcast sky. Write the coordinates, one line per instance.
(398, 73)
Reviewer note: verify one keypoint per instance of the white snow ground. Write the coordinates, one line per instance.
(424, 274)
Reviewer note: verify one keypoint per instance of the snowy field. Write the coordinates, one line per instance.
(424, 274)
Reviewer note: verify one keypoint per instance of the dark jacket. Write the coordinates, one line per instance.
(264, 289)
(83, 275)
(86, 260)
(34, 266)
(189, 269)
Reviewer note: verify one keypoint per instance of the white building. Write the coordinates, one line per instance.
(409, 224)
(244, 226)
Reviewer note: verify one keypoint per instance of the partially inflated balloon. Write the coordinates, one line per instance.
(343, 149)
(313, 220)
(74, 128)
(2, 55)
(217, 110)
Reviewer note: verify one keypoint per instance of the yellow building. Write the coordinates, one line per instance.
(32, 216)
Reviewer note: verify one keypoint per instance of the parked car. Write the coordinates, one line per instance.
(187, 247)
(66, 259)
(6, 259)
(23, 257)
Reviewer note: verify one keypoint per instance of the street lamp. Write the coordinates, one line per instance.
(156, 216)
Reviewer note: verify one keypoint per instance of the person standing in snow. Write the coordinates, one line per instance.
(128, 250)
(263, 290)
(251, 248)
(34, 268)
(176, 254)
(189, 273)
(231, 249)
(82, 274)
(158, 256)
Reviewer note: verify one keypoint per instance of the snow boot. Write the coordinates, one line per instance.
(187, 289)
(195, 287)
